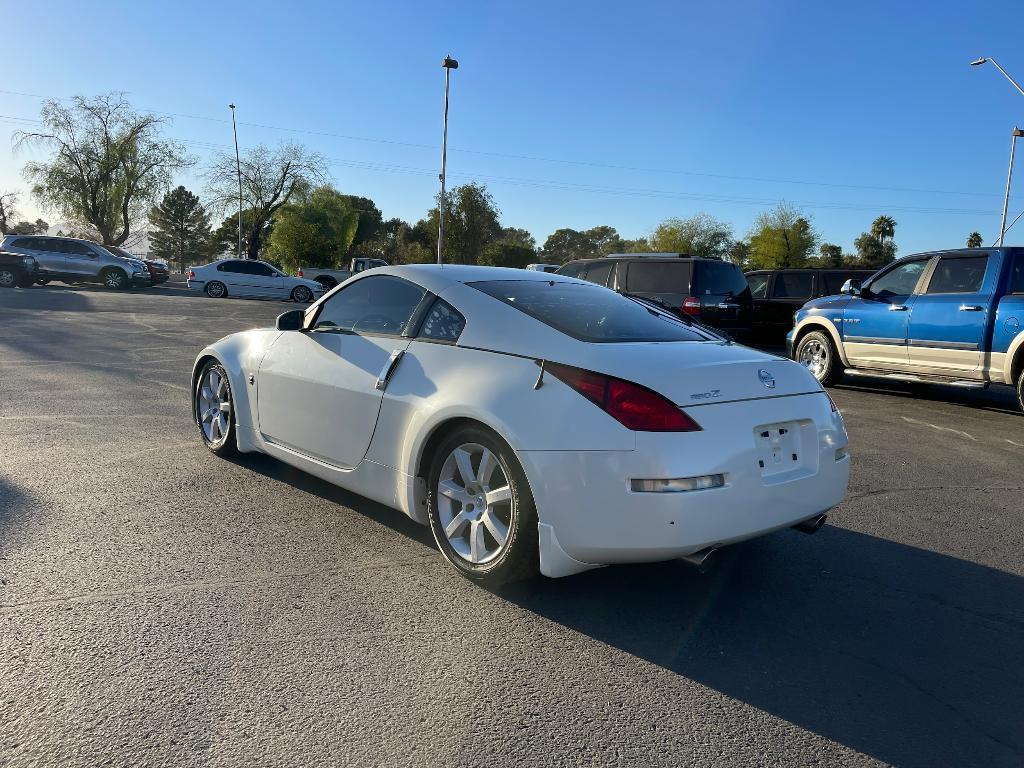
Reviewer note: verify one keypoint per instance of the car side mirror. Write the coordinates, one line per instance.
(293, 320)
(851, 287)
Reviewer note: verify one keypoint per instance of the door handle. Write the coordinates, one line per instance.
(970, 308)
(389, 368)
(897, 307)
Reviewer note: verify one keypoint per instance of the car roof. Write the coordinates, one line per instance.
(437, 277)
(54, 237)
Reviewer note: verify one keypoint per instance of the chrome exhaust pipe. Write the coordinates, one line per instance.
(703, 560)
(812, 525)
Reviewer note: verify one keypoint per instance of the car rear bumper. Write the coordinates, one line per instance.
(586, 501)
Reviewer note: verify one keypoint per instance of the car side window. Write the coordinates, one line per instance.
(1017, 275)
(758, 285)
(572, 269)
(375, 304)
(599, 272)
(255, 268)
(442, 323)
(899, 281)
(231, 266)
(24, 242)
(75, 249)
(958, 275)
(792, 285)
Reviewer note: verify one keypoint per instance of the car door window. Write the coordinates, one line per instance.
(238, 267)
(658, 277)
(442, 323)
(375, 304)
(263, 270)
(958, 275)
(758, 285)
(899, 281)
(74, 249)
(572, 269)
(794, 285)
(599, 272)
(834, 281)
(1017, 275)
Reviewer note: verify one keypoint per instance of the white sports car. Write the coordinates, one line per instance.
(533, 421)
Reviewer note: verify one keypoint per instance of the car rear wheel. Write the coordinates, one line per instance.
(480, 508)
(114, 279)
(215, 289)
(302, 294)
(1020, 390)
(327, 282)
(8, 278)
(215, 410)
(816, 353)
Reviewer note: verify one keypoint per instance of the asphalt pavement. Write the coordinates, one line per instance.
(161, 606)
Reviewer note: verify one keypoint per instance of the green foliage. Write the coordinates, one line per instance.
(179, 228)
(781, 238)
(876, 248)
(503, 253)
(831, 255)
(470, 224)
(568, 244)
(974, 240)
(317, 232)
(519, 237)
(699, 235)
(37, 227)
(108, 163)
(370, 218)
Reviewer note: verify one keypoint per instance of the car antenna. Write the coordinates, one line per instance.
(540, 377)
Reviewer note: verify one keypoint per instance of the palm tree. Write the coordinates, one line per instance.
(974, 240)
(883, 227)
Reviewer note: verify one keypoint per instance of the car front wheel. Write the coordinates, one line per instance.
(816, 353)
(480, 508)
(302, 294)
(115, 279)
(215, 409)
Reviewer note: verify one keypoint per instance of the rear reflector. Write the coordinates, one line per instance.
(691, 306)
(677, 484)
(191, 275)
(299, 273)
(632, 405)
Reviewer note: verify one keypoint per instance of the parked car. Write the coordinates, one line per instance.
(251, 278)
(329, 278)
(778, 293)
(543, 267)
(531, 420)
(17, 270)
(71, 260)
(955, 317)
(159, 272)
(710, 290)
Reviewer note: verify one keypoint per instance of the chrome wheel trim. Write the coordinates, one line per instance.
(215, 289)
(6, 277)
(814, 356)
(474, 503)
(113, 279)
(303, 295)
(213, 406)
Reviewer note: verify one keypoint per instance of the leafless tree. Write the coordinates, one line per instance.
(8, 210)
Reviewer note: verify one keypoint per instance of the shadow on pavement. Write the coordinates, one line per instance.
(997, 398)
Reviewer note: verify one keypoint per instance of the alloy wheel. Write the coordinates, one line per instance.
(213, 406)
(7, 278)
(113, 279)
(814, 356)
(474, 503)
(303, 295)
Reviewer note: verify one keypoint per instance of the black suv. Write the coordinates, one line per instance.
(778, 293)
(17, 269)
(709, 290)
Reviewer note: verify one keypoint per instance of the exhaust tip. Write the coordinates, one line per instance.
(811, 526)
(703, 560)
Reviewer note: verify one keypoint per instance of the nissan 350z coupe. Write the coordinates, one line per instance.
(533, 421)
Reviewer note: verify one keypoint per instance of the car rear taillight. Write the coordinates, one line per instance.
(299, 273)
(191, 275)
(691, 306)
(633, 406)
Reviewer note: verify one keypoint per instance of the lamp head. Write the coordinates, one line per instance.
(449, 63)
(979, 62)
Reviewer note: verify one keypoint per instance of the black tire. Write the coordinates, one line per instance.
(302, 295)
(518, 557)
(818, 354)
(9, 278)
(1020, 389)
(115, 279)
(215, 289)
(221, 441)
(327, 282)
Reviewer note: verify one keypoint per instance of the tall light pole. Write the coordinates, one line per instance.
(449, 64)
(1017, 133)
(238, 167)
(986, 60)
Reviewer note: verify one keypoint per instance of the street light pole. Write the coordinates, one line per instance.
(986, 59)
(238, 167)
(1017, 133)
(449, 64)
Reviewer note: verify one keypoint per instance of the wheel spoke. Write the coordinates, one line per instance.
(487, 465)
(205, 393)
(454, 528)
(499, 495)
(451, 489)
(214, 382)
(477, 546)
(465, 465)
(497, 528)
(214, 429)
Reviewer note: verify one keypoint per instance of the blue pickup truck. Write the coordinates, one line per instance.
(954, 317)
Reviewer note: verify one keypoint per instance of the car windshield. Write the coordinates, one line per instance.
(589, 312)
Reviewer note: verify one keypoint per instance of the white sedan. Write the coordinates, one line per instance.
(533, 421)
(253, 279)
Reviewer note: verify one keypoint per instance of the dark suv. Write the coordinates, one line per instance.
(709, 290)
(778, 293)
(17, 270)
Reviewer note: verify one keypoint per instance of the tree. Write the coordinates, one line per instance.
(568, 244)
(37, 227)
(503, 253)
(739, 253)
(519, 237)
(974, 240)
(8, 210)
(884, 227)
(470, 224)
(109, 163)
(270, 180)
(699, 235)
(179, 228)
(781, 238)
(831, 255)
(370, 218)
(876, 248)
(315, 232)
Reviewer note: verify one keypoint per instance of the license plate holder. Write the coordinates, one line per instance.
(778, 448)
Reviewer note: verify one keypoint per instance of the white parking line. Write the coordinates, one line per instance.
(940, 429)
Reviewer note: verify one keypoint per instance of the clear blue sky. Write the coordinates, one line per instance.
(575, 113)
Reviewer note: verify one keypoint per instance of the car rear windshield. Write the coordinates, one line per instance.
(718, 278)
(588, 312)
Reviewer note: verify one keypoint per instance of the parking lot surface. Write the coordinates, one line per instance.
(161, 606)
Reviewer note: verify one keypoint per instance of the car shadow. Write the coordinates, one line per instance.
(998, 398)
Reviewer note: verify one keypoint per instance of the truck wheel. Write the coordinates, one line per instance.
(327, 282)
(1020, 390)
(816, 353)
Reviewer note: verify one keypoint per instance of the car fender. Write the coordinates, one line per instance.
(1015, 347)
(813, 322)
